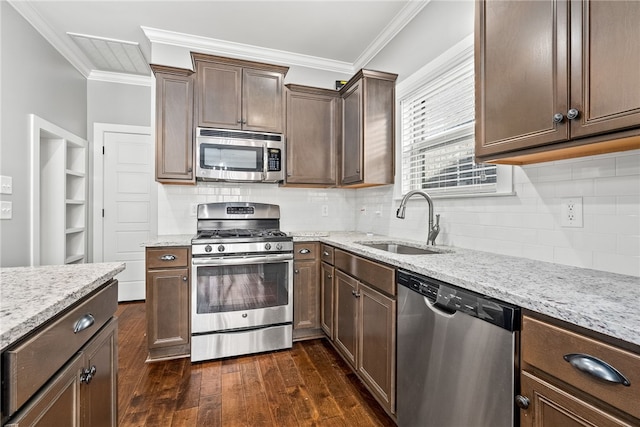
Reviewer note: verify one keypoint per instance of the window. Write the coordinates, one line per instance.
(438, 120)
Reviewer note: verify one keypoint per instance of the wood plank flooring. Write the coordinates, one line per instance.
(309, 385)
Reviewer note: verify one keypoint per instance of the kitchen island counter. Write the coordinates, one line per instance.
(31, 296)
(600, 301)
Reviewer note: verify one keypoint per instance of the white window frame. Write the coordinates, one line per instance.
(412, 84)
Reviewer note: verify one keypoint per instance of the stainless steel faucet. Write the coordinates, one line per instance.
(433, 229)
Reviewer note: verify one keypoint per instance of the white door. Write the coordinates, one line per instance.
(128, 215)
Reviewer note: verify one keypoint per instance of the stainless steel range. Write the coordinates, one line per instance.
(242, 286)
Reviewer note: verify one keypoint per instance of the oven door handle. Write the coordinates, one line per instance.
(236, 260)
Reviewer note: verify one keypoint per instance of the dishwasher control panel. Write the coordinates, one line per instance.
(451, 299)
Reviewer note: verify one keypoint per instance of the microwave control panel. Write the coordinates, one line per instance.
(274, 157)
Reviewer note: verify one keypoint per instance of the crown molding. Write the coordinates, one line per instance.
(122, 78)
(63, 46)
(244, 51)
(392, 29)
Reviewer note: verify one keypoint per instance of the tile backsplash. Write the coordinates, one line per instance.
(526, 224)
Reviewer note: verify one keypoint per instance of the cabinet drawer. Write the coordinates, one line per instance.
(377, 275)
(307, 250)
(326, 253)
(544, 347)
(166, 257)
(30, 364)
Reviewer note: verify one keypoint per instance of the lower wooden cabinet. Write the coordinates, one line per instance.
(365, 329)
(83, 392)
(168, 303)
(306, 291)
(560, 384)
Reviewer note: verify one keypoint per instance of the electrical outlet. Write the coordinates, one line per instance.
(571, 212)
(325, 210)
(6, 210)
(6, 185)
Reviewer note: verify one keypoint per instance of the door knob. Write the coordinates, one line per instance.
(522, 402)
(572, 114)
(558, 118)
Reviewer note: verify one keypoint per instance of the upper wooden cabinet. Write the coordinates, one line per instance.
(556, 79)
(235, 94)
(368, 129)
(312, 132)
(174, 125)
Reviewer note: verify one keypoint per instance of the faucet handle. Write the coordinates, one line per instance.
(437, 220)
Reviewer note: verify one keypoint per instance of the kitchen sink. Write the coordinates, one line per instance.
(399, 248)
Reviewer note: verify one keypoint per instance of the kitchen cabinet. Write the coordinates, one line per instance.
(236, 94)
(555, 392)
(174, 125)
(368, 129)
(306, 291)
(327, 290)
(365, 322)
(312, 132)
(168, 302)
(556, 79)
(76, 383)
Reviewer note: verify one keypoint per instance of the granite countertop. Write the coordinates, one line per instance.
(596, 300)
(169, 240)
(30, 296)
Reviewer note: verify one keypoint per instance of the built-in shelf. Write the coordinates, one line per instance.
(59, 195)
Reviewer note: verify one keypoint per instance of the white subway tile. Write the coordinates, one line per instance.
(593, 168)
(628, 205)
(573, 256)
(628, 163)
(628, 185)
(616, 263)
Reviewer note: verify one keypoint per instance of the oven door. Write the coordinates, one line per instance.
(241, 292)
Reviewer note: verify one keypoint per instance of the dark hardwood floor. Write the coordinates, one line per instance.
(309, 385)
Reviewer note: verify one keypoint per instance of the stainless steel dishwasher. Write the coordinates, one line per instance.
(456, 356)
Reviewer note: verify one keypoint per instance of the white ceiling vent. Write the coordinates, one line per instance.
(117, 56)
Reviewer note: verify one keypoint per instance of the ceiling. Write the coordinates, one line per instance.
(345, 34)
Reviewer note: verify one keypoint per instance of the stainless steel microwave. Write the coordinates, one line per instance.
(239, 156)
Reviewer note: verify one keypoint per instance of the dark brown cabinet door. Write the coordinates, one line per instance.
(174, 125)
(521, 74)
(352, 135)
(376, 353)
(311, 135)
(326, 299)
(99, 395)
(167, 302)
(346, 316)
(549, 73)
(550, 406)
(306, 295)
(262, 101)
(219, 95)
(605, 66)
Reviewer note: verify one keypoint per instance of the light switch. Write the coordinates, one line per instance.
(6, 210)
(6, 185)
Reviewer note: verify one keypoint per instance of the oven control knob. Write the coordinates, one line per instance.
(221, 248)
(208, 248)
(267, 246)
(279, 246)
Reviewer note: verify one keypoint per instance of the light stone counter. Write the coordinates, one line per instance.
(30, 296)
(169, 240)
(600, 301)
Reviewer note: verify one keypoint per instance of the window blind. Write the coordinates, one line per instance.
(438, 134)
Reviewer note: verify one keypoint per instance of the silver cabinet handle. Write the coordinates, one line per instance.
(296, 271)
(522, 402)
(184, 278)
(572, 114)
(168, 257)
(329, 276)
(87, 374)
(325, 253)
(596, 368)
(83, 323)
(558, 118)
(304, 251)
(355, 294)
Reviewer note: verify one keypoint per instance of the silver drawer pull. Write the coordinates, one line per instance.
(168, 257)
(325, 253)
(304, 251)
(87, 374)
(596, 368)
(83, 323)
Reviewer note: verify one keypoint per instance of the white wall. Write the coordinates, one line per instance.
(35, 79)
(528, 224)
